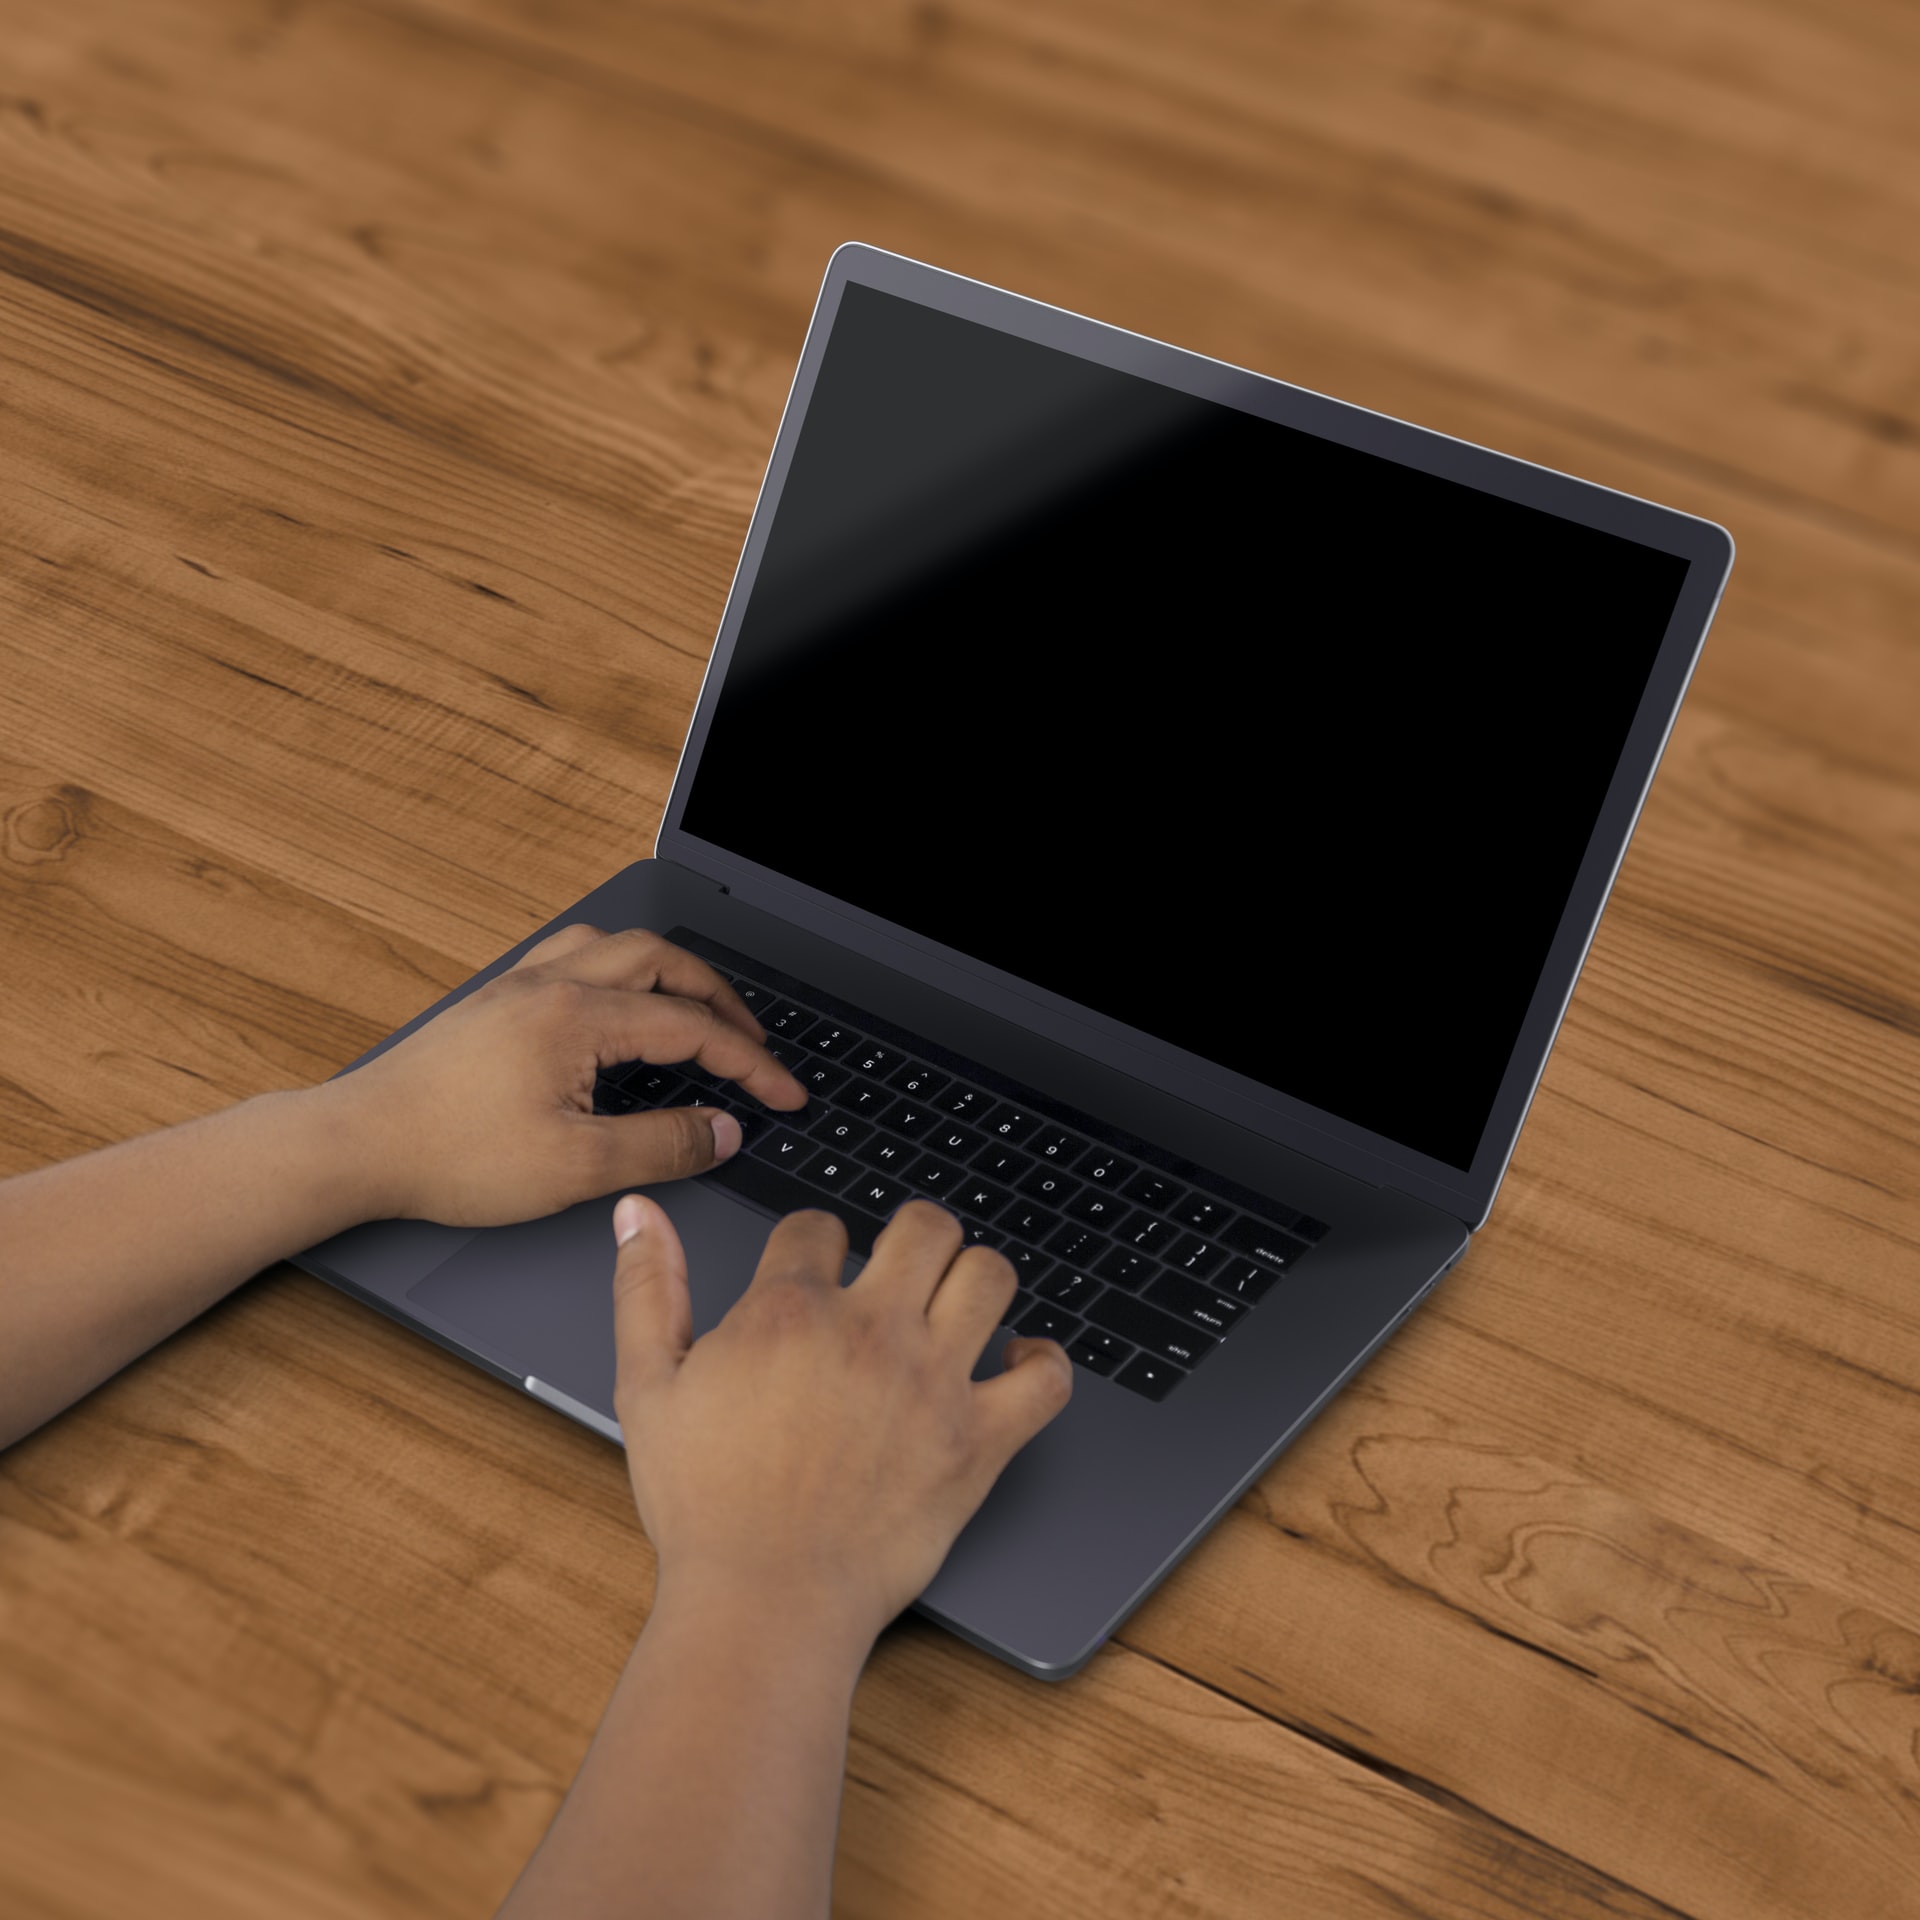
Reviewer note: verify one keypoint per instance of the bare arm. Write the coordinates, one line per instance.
(802, 1471)
(483, 1116)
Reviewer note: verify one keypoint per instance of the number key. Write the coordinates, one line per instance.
(1009, 1124)
(918, 1082)
(1050, 1144)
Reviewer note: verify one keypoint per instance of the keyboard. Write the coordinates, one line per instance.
(1138, 1262)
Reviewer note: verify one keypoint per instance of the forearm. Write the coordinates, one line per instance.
(713, 1784)
(103, 1256)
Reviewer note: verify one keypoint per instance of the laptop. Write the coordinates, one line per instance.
(1160, 813)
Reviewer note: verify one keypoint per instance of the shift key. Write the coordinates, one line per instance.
(1147, 1327)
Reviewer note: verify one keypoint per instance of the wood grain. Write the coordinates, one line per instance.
(384, 385)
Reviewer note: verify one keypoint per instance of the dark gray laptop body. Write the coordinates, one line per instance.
(1092, 1515)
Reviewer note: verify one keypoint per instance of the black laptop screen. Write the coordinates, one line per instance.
(1281, 751)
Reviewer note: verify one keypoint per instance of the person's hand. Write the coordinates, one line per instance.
(818, 1451)
(485, 1115)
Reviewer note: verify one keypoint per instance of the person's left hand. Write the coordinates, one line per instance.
(485, 1115)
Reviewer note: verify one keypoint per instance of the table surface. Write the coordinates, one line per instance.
(384, 387)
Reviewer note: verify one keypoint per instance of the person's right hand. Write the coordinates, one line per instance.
(819, 1449)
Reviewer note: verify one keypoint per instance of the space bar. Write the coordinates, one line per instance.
(767, 1186)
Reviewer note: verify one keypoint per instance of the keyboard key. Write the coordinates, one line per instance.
(980, 1197)
(932, 1178)
(780, 1193)
(1076, 1244)
(870, 1057)
(840, 1130)
(1030, 1267)
(1010, 1125)
(977, 1235)
(865, 1098)
(1097, 1351)
(1001, 1163)
(1050, 1144)
(1046, 1322)
(612, 1099)
(1204, 1216)
(1246, 1280)
(1262, 1242)
(1151, 1330)
(1093, 1208)
(1191, 1254)
(887, 1154)
(1030, 1221)
(830, 1171)
(784, 1051)
(909, 1119)
(919, 1083)
(1154, 1190)
(820, 1079)
(1103, 1169)
(957, 1143)
(965, 1103)
(1070, 1288)
(754, 1119)
(828, 1042)
(1308, 1228)
(1148, 1376)
(781, 1147)
(872, 1194)
(1147, 1233)
(652, 1086)
(1048, 1183)
(758, 999)
(787, 1021)
(1189, 1300)
(1125, 1268)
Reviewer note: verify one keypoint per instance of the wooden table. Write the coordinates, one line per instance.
(384, 386)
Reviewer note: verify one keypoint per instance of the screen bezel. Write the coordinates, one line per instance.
(1706, 546)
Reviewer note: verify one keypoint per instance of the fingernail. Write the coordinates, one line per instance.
(726, 1136)
(629, 1216)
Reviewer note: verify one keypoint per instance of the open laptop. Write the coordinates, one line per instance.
(1160, 813)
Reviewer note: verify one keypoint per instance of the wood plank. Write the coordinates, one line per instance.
(1561, 269)
(374, 1635)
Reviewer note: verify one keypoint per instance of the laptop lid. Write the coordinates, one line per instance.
(1277, 752)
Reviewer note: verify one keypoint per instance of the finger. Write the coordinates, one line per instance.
(970, 1301)
(556, 946)
(652, 1314)
(1035, 1382)
(913, 1250)
(807, 1248)
(661, 1028)
(671, 1143)
(643, 962)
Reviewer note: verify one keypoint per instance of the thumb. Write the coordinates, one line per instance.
(652, 1315)
(1035, 1382)
(671, 1143)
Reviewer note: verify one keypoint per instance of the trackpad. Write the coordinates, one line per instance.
(538, 1298)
